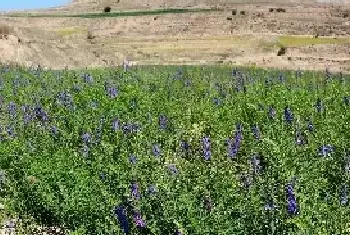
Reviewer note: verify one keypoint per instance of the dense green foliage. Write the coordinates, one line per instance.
(66, 186)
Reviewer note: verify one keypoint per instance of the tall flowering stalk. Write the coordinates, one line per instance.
(288, 115)
(135, 190)
(206, 148)
(121, 213)
(140, 223)
(292, 206)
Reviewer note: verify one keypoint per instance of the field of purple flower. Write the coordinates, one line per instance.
(167, 150)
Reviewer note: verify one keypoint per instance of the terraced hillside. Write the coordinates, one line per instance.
(245, 34)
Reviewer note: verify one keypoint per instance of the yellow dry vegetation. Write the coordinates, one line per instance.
(288, 40)
(70, 31)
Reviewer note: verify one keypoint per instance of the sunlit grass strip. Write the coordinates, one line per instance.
(69, 31)
(287, 40)
(120, 14)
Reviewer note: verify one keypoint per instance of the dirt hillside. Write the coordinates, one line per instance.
(256, 34)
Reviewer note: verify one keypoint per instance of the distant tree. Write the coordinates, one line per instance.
(107, 9)
(281, 51)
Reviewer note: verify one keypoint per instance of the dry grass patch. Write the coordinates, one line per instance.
(288, 40)
(5, 30)
(70, 31)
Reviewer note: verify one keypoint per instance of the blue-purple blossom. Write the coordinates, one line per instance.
(25, 108)
(12, 108)
(206, 148)
(325, 150)
(163, 122)
(40, 113)
(246, 181)
(102, 176)
(234, 72)
(87, 78)
(126, 128)
(178, 232)
(319, 105)
(292, 206)
(27, 118)
(135, 190)
(10, 131)
(85, 150)
(112, 92)
(256, 131)
(269, 206)
(344, 194)
(281, 78)
(121, 213)
(140, 223)
(132, 159)
(76, 88)
(239, 127)
(173, 169)
(347, 163)
(184, 145)
(288, 115)
(54, 130)
(207, 155)
(255, 161)
(310, 126)
(271, 113)
(64, 98)
(156, 150)
(217, 101)
(188, 82)
(299, 138)
(232, 148)
(152, 189)
(86, 137)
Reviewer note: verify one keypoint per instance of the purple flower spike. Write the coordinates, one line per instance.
(207, 155)
(152, 189)
(292, 206)
(86, 137)
(135, 191)
(256, 132)
(163, 122)
(185, 146)
(112, 92)
(272, 113)
(121, 213)
(319, 105)
(288, 115)
(132, 159)
(54, 130)
(310, 126)
(140, 223)
(115, 124)
(156, 150)
(299, 138)
(269, 206)
(325, 150)
(232, 148)
(173, 169)
(343, 195)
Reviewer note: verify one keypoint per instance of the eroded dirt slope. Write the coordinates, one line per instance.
(252, 36)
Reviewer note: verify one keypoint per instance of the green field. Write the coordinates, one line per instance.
(118, 14)
(57, 177)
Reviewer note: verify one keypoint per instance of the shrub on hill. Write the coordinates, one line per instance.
(107, 9)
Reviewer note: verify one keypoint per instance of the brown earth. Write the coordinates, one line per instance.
(187, 38)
